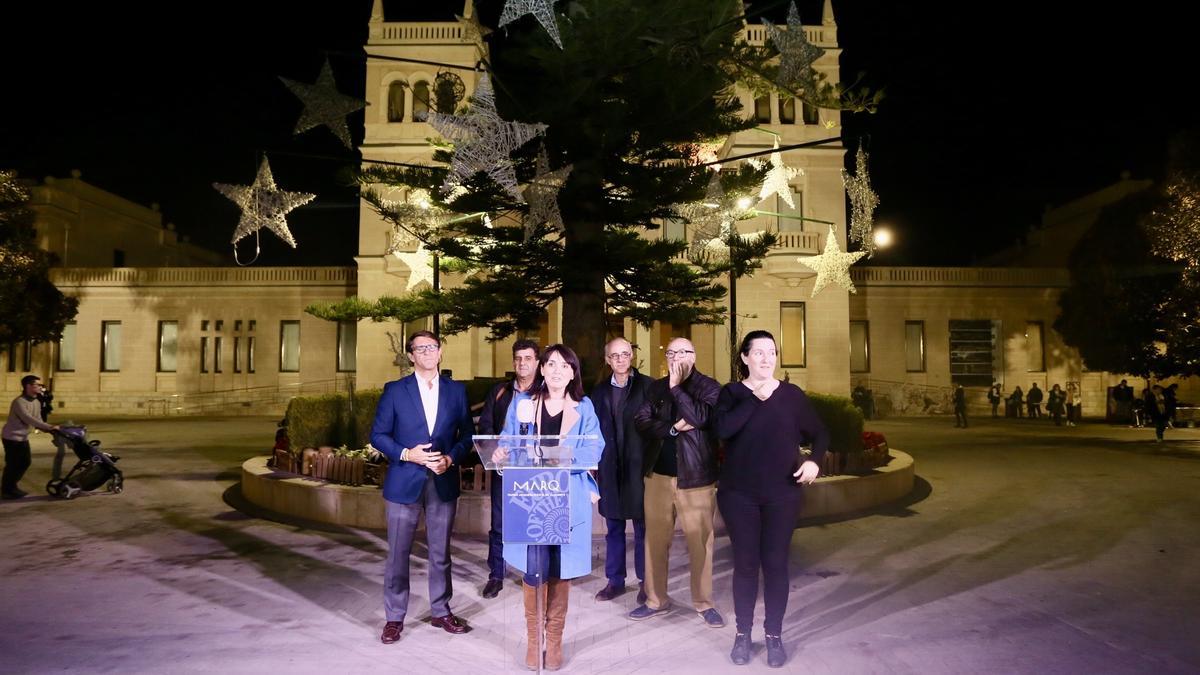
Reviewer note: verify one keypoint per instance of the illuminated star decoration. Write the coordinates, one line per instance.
(832, 266)
(796, 53)
(324, 105)
(778, 180)
(483, 141)
(863, 202)
(420, 267)
(542, 195)
(472, 29)
(542, 10)
(263, 205)
(710, 218)
(415, 217)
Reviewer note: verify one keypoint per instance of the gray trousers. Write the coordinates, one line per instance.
(402, 529)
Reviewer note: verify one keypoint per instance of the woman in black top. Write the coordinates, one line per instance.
(764, 422)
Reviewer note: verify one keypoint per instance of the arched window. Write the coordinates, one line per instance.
(812, 114)
(420, 101)
(787, 111)
(762, 109)
(396, 102)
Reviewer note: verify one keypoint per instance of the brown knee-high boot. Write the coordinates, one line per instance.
(556, 620)
(533, 649)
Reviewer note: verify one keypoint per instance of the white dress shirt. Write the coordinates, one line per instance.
(429, 399)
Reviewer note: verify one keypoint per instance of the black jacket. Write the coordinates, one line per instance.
(620, 468)
(694, 400)
(495, 408)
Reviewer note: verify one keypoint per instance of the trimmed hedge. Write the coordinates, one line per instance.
(844, 420)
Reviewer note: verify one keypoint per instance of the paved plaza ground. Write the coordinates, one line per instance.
(1026, 548)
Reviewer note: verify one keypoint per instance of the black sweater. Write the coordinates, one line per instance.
(763, 438)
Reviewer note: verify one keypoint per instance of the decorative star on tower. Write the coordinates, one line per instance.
(542, 10)
(778, 180)
(263, 205)
(420, 267)
(832, 266)
(542, 194)
(483, 141)
(863, 202)
(796, 53)
(324, 105)
(473, 29)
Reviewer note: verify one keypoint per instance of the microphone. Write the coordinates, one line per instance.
(525, 411)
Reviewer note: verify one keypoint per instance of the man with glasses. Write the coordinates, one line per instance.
(491, 422)
(620, 469)
(680, 469)
(25, 412)
(423, 425)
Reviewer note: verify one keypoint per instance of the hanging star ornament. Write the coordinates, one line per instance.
(796, 53)
(420, 266)
(863, 202)
(542, 10)
(483, 141)
(542, 195)
(324, 105)
(778, 180)
(832, 266)
(263, 205)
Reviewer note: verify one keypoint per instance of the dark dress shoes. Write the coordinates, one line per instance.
(776, 656)
(740, 654)
(492, 588)
(391, 632)
(609, 592)
(450, 623)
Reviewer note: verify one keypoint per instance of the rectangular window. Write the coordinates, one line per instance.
(204, 324)
(237, 354)
(792, 348)
(220, 324)
(27, 357)
(217, 354)
(237, 325)
(250, 354)
(66, 348)
(762, 109)
(787, 111)
(860, 347)
(251, 325)
(347, 346)
(289, 346)
(110, 346)
(914, 346)
(1035, 346)
(168, 345)
(204, 354)
(812, 114)
(972, 352)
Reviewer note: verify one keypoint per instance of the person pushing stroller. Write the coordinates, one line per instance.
(25, 412)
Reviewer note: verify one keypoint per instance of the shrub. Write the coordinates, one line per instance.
(843, 419)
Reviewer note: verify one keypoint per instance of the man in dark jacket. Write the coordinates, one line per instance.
(1034, 401)
(620, 470)
(680, 465)
(491, 422)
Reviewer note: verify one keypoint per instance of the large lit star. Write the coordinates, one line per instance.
(263, 205)
(420, 266)
(542, 195)
(863, 202)
(796, 53)
(832, 266)
(483, 141)
(778, 179)
(324, 105)
(542, 10)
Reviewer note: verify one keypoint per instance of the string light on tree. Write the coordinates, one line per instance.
(863, 202)
(324, 105)
(483, 141)
(832, 266)
(796, 53)
(542, 10)
(263, 205)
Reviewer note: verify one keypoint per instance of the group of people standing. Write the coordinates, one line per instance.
(1156, 406)
(659, 466)
(1061, 404)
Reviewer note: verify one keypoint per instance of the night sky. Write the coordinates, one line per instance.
(993, 111)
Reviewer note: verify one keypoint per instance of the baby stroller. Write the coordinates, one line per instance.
(94, 468)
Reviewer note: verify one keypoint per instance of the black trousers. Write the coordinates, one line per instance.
(17, 458)
(495, 559)
(760, 529)
(960, 417)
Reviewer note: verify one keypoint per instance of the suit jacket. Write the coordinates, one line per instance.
(400, 423)
(622, 486)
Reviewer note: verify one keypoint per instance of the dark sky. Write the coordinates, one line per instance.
(992, 112)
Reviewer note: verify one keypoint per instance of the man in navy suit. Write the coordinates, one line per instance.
(423, 425)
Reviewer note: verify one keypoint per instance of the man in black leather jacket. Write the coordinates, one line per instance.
(680, 466)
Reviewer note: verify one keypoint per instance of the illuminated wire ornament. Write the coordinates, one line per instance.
(324, 105)
(796, 53)
(832, 266)
(472, 29)
(778, 180)
(542, 10)
(263, 205)
(863, 202)
(542, 195)
(420, 267)
(483, 141)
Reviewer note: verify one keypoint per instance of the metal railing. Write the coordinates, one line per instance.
(227, 400)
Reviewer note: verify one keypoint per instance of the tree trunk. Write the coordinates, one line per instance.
(583, 320)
